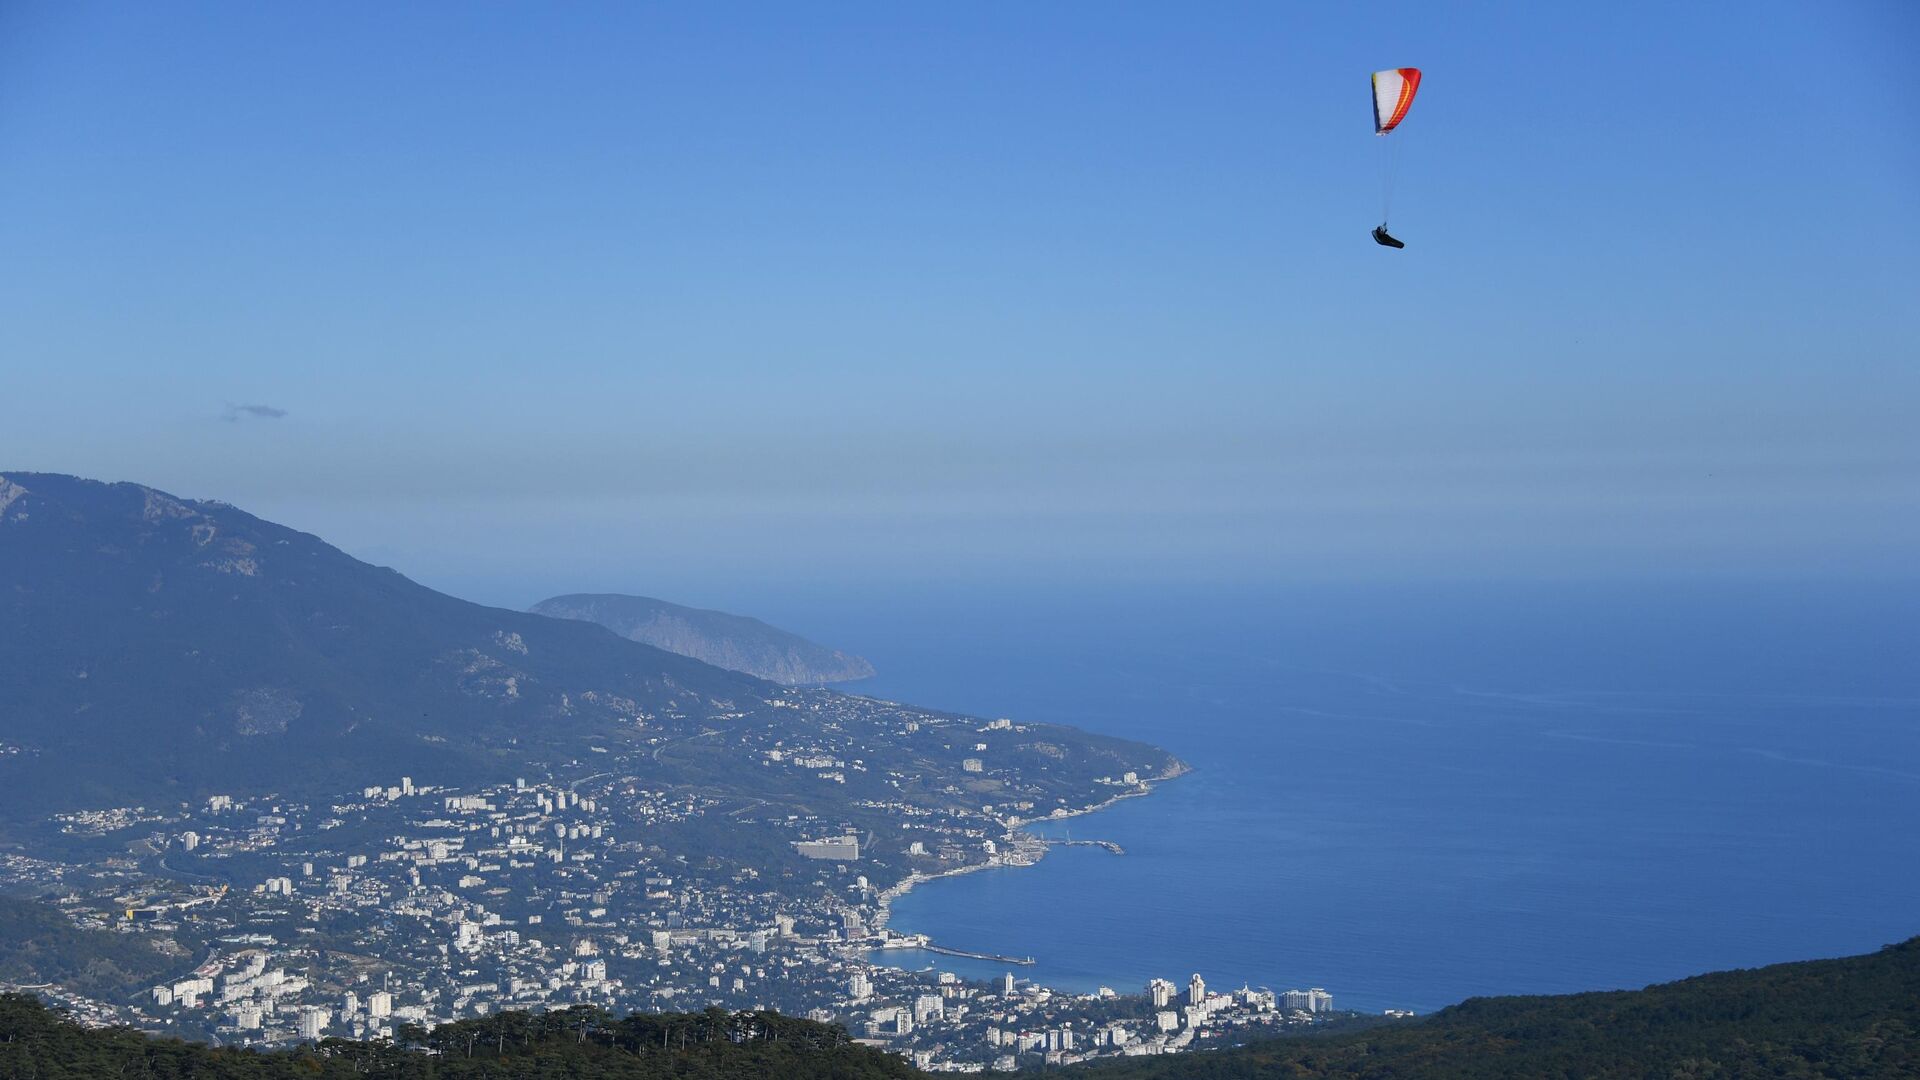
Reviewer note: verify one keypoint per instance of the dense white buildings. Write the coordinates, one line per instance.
(837, 848)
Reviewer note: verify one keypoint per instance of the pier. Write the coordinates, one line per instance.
(1023, 961)
(1107, 845)
(920, 942)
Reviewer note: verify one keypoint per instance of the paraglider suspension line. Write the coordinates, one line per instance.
(1389, 164)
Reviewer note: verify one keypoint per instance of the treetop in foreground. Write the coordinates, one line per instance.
(582, 1043)
(1854, 1017)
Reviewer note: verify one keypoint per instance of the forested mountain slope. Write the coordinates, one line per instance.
(154, 648)
(1854, 1017)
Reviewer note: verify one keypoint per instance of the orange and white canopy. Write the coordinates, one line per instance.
(1393, 91)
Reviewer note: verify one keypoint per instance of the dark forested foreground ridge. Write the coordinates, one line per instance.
(582, 1043)
(1854, 1017)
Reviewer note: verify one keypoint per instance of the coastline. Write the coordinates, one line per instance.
(1026, 845)
(1180, 769)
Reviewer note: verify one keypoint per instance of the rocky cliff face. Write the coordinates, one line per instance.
(734, 642)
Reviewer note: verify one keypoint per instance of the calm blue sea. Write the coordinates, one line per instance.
(1413, 795)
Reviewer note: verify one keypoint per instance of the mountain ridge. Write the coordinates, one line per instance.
(158, 647)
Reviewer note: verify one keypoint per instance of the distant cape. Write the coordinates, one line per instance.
(734, 642)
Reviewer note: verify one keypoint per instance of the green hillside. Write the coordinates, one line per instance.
(38, 944)
(1853, 1017)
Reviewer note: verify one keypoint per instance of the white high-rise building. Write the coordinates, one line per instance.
(1196, 990)
(1006, 985)
(379, 1003)
(860, 988)
(313, 1022)
(1315, 1000)
(191, 988)
(1161, 992)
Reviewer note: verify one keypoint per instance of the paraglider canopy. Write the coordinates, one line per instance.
(1393, 91)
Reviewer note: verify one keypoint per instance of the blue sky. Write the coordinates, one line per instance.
(676, 298)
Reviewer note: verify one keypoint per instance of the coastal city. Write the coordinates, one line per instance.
(793, 541)
(404, 905)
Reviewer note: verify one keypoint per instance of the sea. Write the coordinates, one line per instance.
(1414, 794)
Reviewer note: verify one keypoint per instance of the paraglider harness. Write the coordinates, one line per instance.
(1381, 237)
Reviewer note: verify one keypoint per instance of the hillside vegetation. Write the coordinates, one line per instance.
(39, 944)
(1853, 1017)
(156, 649)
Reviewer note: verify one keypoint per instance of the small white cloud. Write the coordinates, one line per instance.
(237, 413)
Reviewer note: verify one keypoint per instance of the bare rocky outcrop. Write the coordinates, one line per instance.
(264, 711)
(10, 493)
